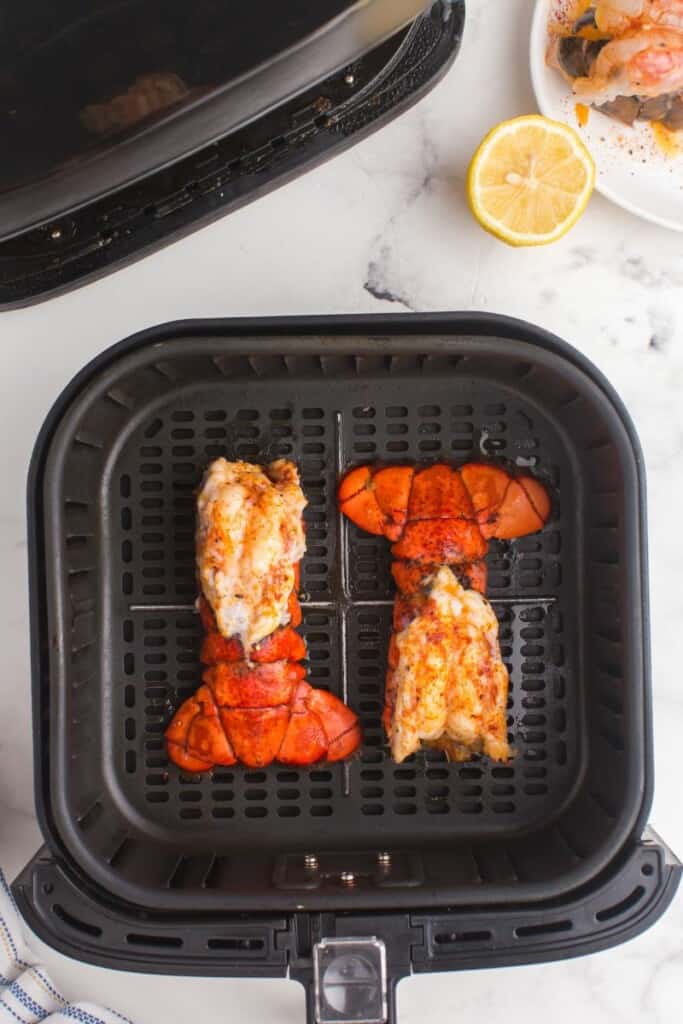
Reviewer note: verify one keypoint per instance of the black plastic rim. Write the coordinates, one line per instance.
(342, 39)
(294, 137)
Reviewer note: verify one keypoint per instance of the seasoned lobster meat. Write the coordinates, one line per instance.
(254, 705)
(250, 539)
(446, 684)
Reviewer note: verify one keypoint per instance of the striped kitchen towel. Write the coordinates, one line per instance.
(27, 994)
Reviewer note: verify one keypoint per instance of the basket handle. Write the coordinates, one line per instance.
(349, 983)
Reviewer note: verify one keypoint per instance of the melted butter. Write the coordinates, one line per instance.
(582, 114)
(667, 142)
(564, 16)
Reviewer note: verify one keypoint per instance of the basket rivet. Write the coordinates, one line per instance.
(384, 859)
(348, 878)
(349, 78)
(56, 234)
(311, 862)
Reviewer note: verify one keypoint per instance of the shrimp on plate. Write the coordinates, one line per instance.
(646, 62)
(633, 68)
(616, 16)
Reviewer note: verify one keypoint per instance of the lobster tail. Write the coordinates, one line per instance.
(446, 682)
(461, 509)
(254, 705)
(258, 710)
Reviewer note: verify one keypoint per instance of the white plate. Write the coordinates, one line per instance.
(632, 169)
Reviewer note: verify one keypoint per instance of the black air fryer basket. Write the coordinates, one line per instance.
(347, 876)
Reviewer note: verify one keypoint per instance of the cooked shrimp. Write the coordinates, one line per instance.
(646, 63)
(617, 16)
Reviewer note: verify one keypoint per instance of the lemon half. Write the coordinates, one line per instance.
(530, 180)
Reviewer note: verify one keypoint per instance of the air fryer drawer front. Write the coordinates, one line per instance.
(619, 906)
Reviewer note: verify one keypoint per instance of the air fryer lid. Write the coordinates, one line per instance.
(94, 96)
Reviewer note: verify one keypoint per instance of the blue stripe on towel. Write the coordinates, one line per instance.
(7, 932)
(24, 998)
(22, 1020)
(120, 1016)
(5, 886)
(81, 1015)
(10, 941)
(48, 984)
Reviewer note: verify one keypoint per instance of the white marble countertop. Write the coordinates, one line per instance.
(385, 227)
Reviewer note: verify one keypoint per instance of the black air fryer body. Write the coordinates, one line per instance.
(346, 876)
(124, 125)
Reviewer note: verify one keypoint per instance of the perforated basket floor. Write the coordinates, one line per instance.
(121, 471)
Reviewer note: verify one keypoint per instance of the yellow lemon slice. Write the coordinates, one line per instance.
(530, 180)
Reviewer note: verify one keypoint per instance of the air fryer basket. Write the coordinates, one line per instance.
(115, 637)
